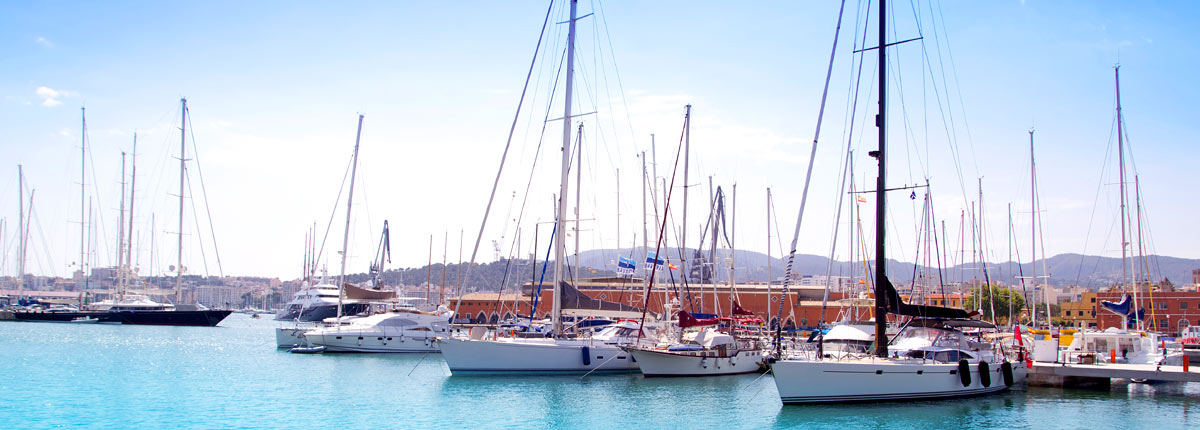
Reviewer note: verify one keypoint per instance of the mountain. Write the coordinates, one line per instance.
(1065, 269)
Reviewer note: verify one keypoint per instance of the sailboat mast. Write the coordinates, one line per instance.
(182, 176)
(429, 270)
(881, 193)
(645, 232)
(21, 227)
(121, 235)
(132, 182)
(687, 145)
(578, 197)
(768, 254)
(442, 285)
(349, 206)
(560, 249)
(1033, 229)
(1121, 169)
(83, 198)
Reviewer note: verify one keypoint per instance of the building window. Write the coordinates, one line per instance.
(1182, 305)
(1093, 300)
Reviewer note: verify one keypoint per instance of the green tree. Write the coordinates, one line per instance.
(988, 297)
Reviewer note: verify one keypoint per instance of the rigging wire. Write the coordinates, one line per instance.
(504, 156)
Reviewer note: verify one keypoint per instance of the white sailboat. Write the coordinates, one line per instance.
(930, 358)
(555, 353)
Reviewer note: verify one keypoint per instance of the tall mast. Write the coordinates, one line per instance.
(1033, 229)
(132, 182)
(152, 233)
(1010, 273)
(429, 270)
(769, 255)
(349, 206)
(687, 145)
(21, 227)
(1121, 167)
(880, 193)
(82, 197)
(645, 232)
(578, 197)
(442, 285)
(560, 250)
(121, 235)
(182, 176)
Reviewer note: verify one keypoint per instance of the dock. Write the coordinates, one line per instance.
(1048, 374)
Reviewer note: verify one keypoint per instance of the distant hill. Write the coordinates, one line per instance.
(1065, 269)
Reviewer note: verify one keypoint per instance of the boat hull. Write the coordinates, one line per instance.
(354, 341)
(288, 337)
(801, 382)
(694, 363)
(204, 318)
(64, 317)
(534, 356)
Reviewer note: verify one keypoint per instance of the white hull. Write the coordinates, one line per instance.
(692, 363)
(882, 379)
(352, 341)
(287, 337)
(548, 356)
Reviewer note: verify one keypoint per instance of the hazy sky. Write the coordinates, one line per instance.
(274, 89)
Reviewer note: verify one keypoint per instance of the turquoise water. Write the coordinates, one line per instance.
(232, 376)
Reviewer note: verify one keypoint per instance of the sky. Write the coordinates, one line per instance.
(274, 89)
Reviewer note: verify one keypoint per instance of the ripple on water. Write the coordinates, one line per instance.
(232, 376)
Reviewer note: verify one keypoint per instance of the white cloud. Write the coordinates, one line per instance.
(42, 41)
(50, 97)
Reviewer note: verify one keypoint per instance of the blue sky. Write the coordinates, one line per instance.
(274, 89)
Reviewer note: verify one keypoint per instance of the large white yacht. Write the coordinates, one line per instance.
(318, 302)
(491, 352)
(400, 330)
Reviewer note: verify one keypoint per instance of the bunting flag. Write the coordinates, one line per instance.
(625, 266)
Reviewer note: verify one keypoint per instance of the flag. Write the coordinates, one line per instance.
(862, 199)
(672, 266)
(652, 258)
(625, 266)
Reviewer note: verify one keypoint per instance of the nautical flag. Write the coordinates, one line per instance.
(652, 260)
(672, 266)
(625, 266)
(862, 199)
(912, 196)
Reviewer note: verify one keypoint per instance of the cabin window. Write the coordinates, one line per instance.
(804, 322)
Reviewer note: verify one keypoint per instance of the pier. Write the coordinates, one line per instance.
(1101, 375)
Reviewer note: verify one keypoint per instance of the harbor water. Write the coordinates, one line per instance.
(232, 376)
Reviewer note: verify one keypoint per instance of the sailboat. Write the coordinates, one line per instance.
(556, 352)
(930, 358)
(141, 310)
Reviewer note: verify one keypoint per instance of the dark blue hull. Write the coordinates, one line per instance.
(205, 318)
(35, 316)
